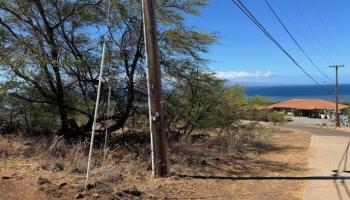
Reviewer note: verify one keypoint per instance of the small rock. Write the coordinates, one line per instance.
(43, 184)
(27, 143)
(217, 159)
(58, 167)
(119, 194)
(42, 181)
(133, 191)
(53, 192)
(61, 185)
(95, 195)
(204, 162)
(103, 187)
(7, 177)
(44, 166)
(79, 196)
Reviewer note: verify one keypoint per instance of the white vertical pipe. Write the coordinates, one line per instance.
(149, 94)
(96, 112)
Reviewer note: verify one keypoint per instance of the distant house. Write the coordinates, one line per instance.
(315, 108)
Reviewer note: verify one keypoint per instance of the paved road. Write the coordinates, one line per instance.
(317, 131)
(327, 148)
(310, 121)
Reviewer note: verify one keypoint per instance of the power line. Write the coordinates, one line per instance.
(314, 6)
(246, 11)
(306, 39)
(316, 36)
(295, 41)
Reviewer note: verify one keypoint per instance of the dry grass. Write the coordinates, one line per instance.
(249, 152)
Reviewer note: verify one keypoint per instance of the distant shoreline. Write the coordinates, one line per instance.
(281, 85)
(280, 93)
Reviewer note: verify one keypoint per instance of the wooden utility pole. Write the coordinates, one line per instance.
(158, 136)
(337, 94)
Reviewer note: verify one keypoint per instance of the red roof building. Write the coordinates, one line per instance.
(315, 108)
(308, 104)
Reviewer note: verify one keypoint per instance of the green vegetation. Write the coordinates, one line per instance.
(276, 117)
(49, 64)
(49, 61)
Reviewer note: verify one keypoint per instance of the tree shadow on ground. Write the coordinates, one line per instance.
(203, 159)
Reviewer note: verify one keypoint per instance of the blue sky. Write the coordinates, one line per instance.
(244, 54)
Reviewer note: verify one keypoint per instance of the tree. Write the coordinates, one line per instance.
(192, 102)
(180, 49)
(259, 101)
(34, 50)
(51, 50)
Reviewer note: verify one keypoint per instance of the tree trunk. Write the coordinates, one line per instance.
(59, 90)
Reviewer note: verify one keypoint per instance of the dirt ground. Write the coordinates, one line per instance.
(199, 171)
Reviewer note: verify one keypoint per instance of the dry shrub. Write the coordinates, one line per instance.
(70, 156)
(109, 174)
(237, 139)
(58, 147)
(29, 152)
(112, 176)
(75, 158)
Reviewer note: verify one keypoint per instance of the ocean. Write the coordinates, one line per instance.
(279, 93)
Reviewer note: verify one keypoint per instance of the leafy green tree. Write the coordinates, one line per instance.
(40, 38)
(276, 117)
(230, 107)
(51, 49)
(259, 101)
(192, 103)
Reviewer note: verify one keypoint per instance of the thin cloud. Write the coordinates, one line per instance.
(241, 74)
